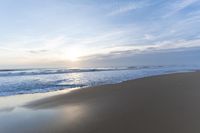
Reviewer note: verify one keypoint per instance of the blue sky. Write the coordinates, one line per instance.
(59, 33)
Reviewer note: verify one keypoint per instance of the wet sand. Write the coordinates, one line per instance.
(159, 104)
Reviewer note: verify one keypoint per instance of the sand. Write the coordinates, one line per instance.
(159, 104)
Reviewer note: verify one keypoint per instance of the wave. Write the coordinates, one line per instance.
(13, 82)
(35, 86)
(24, 72)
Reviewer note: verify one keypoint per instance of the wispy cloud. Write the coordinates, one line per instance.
(124, 9)
(149, 37)
(37, 51)
(120, 9)
(180, 5)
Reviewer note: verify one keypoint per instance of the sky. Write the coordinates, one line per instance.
(98, 33)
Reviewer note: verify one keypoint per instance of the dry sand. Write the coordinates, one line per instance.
(159, 104)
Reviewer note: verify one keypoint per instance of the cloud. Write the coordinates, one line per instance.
(124, 8)
(180, 5)
(157, 47)
(37, 51)
(149, 37)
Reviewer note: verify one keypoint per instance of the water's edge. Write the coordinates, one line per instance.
(46, 80)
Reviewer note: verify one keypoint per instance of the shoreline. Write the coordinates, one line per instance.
(163, 103)
(33, 88)
(103, 87)
(31, 97)
(59, 91)
(10, 101)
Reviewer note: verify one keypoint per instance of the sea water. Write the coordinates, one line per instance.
(28, 81)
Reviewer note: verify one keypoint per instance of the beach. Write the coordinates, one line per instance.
(158, 104)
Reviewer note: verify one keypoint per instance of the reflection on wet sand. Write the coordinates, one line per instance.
(21, 120)
(160, 104)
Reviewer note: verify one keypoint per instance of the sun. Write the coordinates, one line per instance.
(73, 54)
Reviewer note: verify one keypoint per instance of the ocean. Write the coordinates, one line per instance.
(28, 81)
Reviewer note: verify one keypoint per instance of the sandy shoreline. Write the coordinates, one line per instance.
(158, 104)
